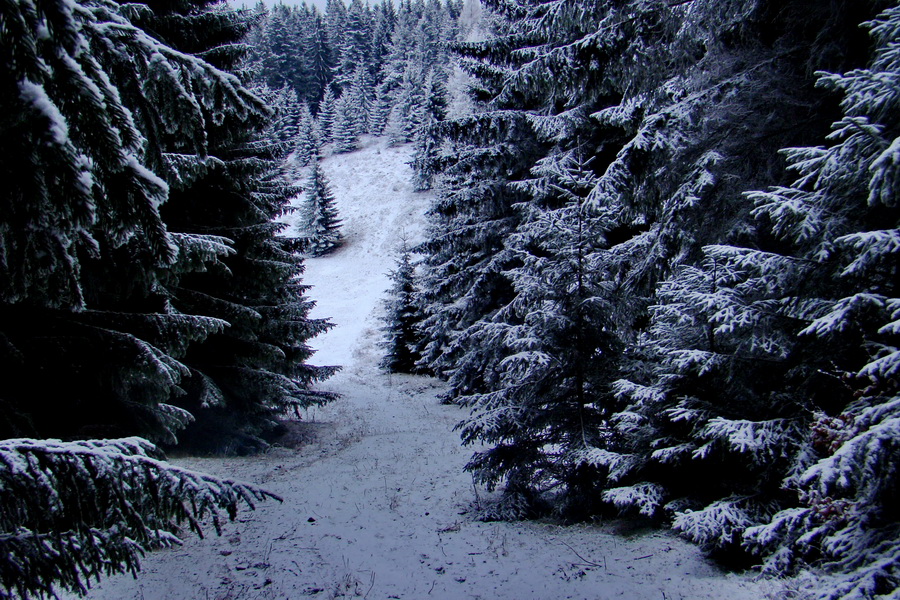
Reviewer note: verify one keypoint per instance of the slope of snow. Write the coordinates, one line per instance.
(379, 210)
(376, 502)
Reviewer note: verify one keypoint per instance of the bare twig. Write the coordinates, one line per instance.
(475, 489)
(371, 585)
(586, 563)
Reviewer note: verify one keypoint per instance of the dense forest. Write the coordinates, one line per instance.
(663, 273)
(661, 277)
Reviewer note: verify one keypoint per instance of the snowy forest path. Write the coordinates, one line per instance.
(376, 502)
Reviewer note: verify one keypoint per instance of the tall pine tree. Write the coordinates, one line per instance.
(89, 265)
(322, 220)
(681, 107)
(817, 308)
(402, 318)
(173, 188)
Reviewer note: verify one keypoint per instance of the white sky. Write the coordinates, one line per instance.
(248, 3)
(319, 3)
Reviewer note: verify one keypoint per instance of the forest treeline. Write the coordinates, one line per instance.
(356, 70)
(662, 274)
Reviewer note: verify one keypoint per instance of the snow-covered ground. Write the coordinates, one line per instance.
(376, 503)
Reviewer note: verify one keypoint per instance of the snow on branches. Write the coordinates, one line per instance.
(71, 512)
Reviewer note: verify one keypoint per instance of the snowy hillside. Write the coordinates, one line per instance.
(379, 209)
(376, 504)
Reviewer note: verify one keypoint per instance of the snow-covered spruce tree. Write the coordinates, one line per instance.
(473, 331)
(279, 62)
(335, 24)
(657, 94)
(402, 317)
(88, 264)
(418, 44)
(325, 116)
(288, 115)
(256, 370)
(222, 265)
(426, 154)
(73, 512)
(318, 58)
(356, 45)
(344, 133)
(840, 224)
(307, 142)
(463, 276)
(720, 406)
(289, 48)
(545, 414)
(323, 224)
(224, 192)
(391, 73)
(437, 98)
(360, 101)
(504, 141)
(408, 111)
(381, 107)
(384, 22)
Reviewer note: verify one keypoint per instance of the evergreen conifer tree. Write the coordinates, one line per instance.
(180, 195)
(289, 112)
(335, 26)
(425, 157)
(381, 109)
(282, 65)
(54, 540)
(356, 48)
(360, 101)
(666, 157)
(724, 395)
(319, 60)
(256, 371)
(323, 222)
(344, 132)
(89, 266)
(307, 142)
(408, 113)
(326, 116)
(546, 410)
(402, 318)
(385, 21)
(426, 154)
(813, 316)
(106, 122)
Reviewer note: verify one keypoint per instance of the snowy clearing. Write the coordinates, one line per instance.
(376, 504)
